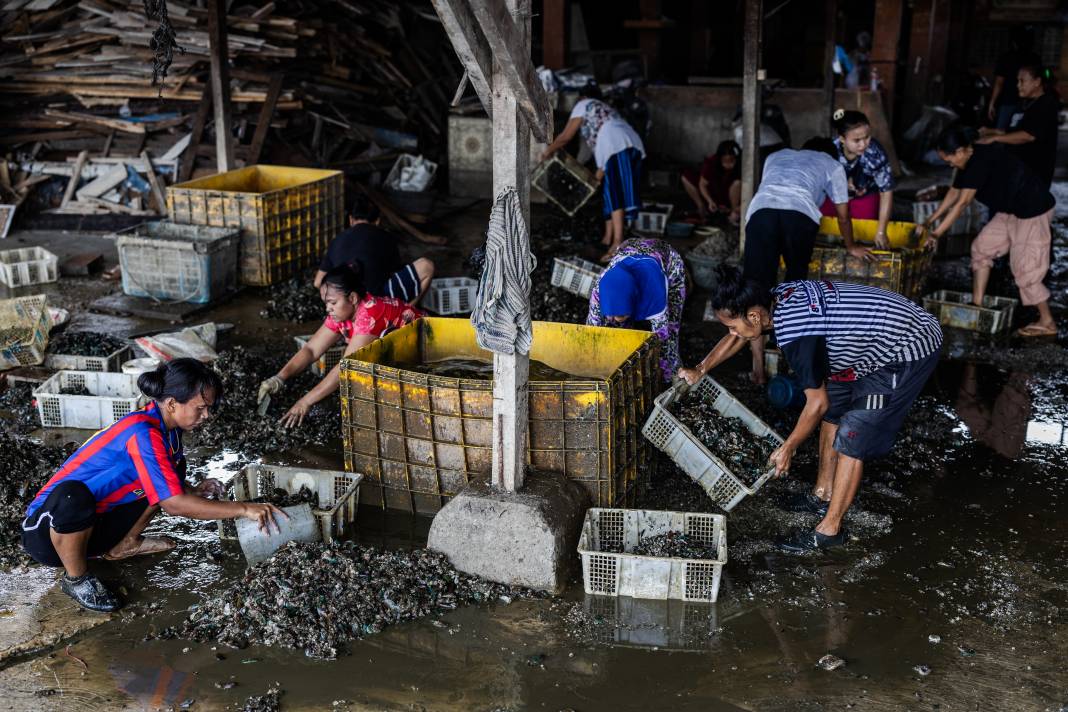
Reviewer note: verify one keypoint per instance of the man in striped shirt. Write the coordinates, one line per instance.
(861, 354)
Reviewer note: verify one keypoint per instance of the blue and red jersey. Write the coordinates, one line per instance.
(135, 457)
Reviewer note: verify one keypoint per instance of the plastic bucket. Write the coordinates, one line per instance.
(785, 392)
(678, 230)
(138, 366)
(703, 270)
(258, 545)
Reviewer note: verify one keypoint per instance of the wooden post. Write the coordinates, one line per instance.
(829, 51)
(511, 167)
(886, 37)
(220, 85)
(751, 78)
(554, 34)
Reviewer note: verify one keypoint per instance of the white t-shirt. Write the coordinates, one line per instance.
(613, 135)
(799, 181)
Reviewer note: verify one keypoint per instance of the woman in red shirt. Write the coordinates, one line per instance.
(717, 185)
(351, 314)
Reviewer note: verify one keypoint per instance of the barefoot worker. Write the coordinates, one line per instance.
(861, 354)
(352, 314)
(1021, 208)
(104, 495)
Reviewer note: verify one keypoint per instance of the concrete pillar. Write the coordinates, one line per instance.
(751, 77)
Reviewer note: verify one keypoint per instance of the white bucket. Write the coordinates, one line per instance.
(258, 545)
(138, 366)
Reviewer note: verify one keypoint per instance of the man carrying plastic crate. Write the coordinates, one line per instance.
(373, 253)
(861, 354)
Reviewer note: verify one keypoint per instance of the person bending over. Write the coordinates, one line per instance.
(861, 354)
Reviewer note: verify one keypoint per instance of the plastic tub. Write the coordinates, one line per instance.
(258, 545)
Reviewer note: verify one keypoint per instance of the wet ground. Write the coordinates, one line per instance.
(950, 595)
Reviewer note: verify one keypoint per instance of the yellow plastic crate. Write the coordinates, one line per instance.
(419, 439)
(900, 233)
(900, 269)
(287, 215)
(24, 329)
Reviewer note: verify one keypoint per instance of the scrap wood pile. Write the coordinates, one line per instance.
(331, 83)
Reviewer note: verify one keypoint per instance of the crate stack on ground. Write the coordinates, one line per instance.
(169, 262)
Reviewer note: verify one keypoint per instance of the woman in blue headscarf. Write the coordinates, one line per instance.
(645, 281)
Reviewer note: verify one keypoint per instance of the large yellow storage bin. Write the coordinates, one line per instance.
(287, 215)
(418, 439)
(902, 269)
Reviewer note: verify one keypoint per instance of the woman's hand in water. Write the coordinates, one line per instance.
(295, 415)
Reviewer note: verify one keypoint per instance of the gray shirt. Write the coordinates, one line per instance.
(799, 181)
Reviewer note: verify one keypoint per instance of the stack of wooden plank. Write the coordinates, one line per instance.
(331, 83)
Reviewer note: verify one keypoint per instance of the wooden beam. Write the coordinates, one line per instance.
(189, 159)
(75, 176)
(511, 168)
(751, 58)
(157, 192)
(220, 85)
(274, 89)
(508, 36)
(470, 46)
(830, 48)
(554, 34)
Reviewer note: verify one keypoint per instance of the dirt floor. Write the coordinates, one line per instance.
(950, 594)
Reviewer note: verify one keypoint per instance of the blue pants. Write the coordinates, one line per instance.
(622, 176)
(870, 410)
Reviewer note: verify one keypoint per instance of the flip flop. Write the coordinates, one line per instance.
(149, 545)
(1033, 330)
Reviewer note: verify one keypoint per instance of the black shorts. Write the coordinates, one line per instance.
(870, 410)
(70, 507)
(771, 233)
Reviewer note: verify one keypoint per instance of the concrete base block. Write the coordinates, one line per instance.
(526, 538)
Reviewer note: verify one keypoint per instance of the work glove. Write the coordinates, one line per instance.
(269, 387)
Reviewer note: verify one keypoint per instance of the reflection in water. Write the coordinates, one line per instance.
(996, 415)
(665, 625)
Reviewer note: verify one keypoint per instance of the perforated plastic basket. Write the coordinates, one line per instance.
(67, 362)
(606, 572)
(970, 221)
(565, 182)
(24, 327)
(664, 431)
(451, 295)
(575, 275)
(338, 494)
(28, 265)
(179, 263)
(327, 361)
(955, 309)
(654, 221)
(111, 396)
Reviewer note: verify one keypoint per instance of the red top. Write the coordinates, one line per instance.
(375, 316)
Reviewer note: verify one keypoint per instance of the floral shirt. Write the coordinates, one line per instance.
(375, 316)
(595, 114)
(870, 170)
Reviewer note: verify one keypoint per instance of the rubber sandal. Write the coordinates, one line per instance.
(1033, 330)
(802, 542)
(149, 545)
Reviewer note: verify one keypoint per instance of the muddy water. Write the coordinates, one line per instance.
(971, 555)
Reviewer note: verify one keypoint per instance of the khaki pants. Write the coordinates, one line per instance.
(1026, 240)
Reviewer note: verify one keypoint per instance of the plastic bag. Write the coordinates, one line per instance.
(194, 342)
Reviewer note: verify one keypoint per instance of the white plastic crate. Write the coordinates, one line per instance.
(653, 222)
(955, 309)
(576, 275)
(565, 182)
(327, 361)
(110, 363)
(25, 324)
(338, 494)
(970, 221)
(180, 263)
(606, 572)
(28, 265)
(664, 431)
(112, 396)
(451, 295)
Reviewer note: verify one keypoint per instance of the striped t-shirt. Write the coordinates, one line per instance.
(865, 328)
